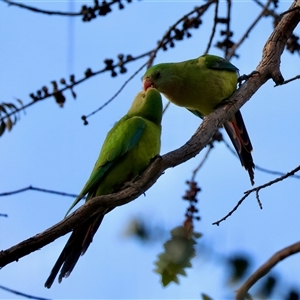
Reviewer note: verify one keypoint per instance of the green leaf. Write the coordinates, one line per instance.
(179, 251)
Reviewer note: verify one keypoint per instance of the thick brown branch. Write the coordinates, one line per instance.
(268, 67)
(265, 268)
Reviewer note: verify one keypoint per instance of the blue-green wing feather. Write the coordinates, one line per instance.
(219, 63)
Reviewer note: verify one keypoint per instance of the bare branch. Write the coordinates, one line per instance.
(195, 171)
(114, 96)
(74, 83)
(32, 188)
(168, 38)
(270, 12)
(214, 27)
(88, 13)
(34, 9)
(267, 68)
(178, 35)
(257, 167)
(233, 49)
(289, 80)
(21, 294)
(228, 31)
(242, 292)
(256, 190)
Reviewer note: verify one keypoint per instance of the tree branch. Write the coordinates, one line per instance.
(32, 188)
(242, 292)
(267, 68)
(256, 190)
(233, 49)
(22, 294)
(189, 21)
(88, 13)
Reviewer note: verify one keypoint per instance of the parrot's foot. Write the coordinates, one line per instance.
(134, 185)
(155, 157)
(224, 102)
(246, 77)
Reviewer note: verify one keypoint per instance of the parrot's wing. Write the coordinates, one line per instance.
(219, 63)
(120, 140)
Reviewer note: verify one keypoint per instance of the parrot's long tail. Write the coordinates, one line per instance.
(237, 132)
(78, 243)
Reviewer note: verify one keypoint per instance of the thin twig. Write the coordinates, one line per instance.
(152, 53)
(167, 36)
(73, 84)
(34, 9)
(289, 11)
(231, 53)
(270, 12)
(32, 188)
(166, 107)
(214, 27)
(22, 294)
(116, 94)
(195, 171)
(256, 190)
(288, 81)
(261, 169)
(265, 268)
(228, 32)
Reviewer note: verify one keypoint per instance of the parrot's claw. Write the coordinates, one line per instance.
(246, 77)
(155, 157)
(224, 102)
(134, 185)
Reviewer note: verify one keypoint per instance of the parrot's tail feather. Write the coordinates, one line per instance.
(78, 243)
(238, 134)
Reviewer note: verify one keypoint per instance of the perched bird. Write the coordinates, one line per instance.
(200, 85)
(127, 150)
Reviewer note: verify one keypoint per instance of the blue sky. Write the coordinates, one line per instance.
(50, 148)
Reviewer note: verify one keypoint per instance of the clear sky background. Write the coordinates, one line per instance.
(50, 148)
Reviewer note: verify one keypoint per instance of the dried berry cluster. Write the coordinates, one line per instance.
(56, 92)
(226, 44)
(110, 66)
(91, 12)
(176, 34)
(191, 196)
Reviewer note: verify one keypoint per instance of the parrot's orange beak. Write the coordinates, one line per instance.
(147, 83)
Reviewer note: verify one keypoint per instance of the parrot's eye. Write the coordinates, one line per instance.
(157, 75)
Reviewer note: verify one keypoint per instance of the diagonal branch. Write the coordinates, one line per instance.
(268, 68)
(242, 292)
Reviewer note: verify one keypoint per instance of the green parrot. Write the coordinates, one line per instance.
(127, 150)
(200, 85)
